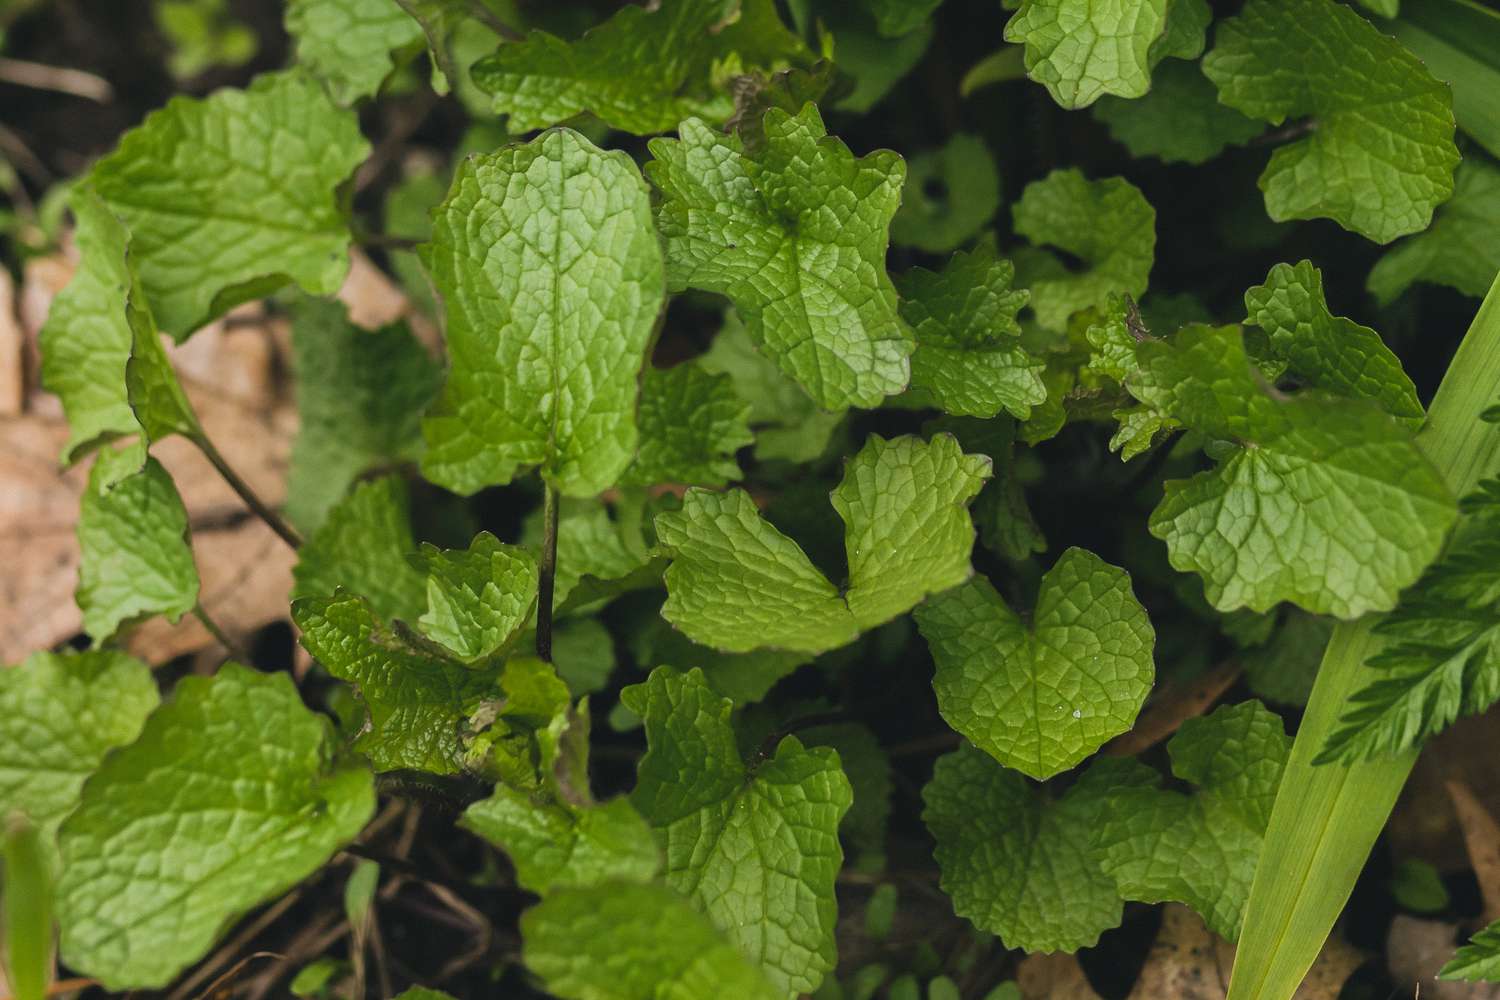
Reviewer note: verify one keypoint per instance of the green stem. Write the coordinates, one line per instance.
(256, 504)
(1327, 816)
(546, 573)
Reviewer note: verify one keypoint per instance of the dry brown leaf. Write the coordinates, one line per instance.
(1053, 977)
(373, 299)
(1173, 705)
(1482, 841)
(1190, 962)
(1424, 824)
(12, 350)
(1415, 949)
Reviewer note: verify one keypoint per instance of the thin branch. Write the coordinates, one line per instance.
(546, 573)
(59, 79)
(250, 932)
(774, 738)
(220, 636)
(490, 20)
(260, 507)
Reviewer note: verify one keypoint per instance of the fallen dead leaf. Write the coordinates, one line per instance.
(1424, 824)
(1415, 949)
(1056, 976)
(1482, 841)
(12, 350)
(1173, 705)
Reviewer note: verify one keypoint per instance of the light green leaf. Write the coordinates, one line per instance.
(1283, 669)
(136, 560)
(737, 584)
(966, 196)
(969, 356)
(1199, 849)
(1479, 960)
(626, 942)
(230, 796)
(551, 277)
(754, 845)
(583, 652)
(1041, 697)
(86, 340)
(479, 598)
(591, 545)
(691, 425)
(1107, 223)
(1441, 653)
(796, 237)
(360, 395)
(868, 769)
(790, 426)
(1380, 155)
(363, 547)
(151, 383)
(1179, 121)
(1186, 31)
(556, 845)
(907, 532)
(348, 44)
(419, 702)
(1458, 249)
(743, 678)
(643, 70)
(27, 909)
(876, 63)
(1327, 502)
(59, 716)
(1015, 861)
(1081, 50)
(231, 196)
(1325, 350)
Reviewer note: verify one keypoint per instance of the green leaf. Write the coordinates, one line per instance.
(754, 845)
(1042, 697)
(1015, 861)
(691, 425)
(1479, 960)
(87, 337)
(737, 584)
(950, 194)
(551, 276)
(1325, 350)
(1107, 223)
(1457, 40)
(743, 678)
(899, 17)
(907, 531)
(1380, 155)
(868, 769)
(583, 652)
(479, 598)
(136, 560)
(789, 424)
(1326, 502)
(1283, 669)
(969, 356)
(59, 716)
(230, 796)
(625, 942)
(360, 395)
(1199, 849)
(231, 196)
(1457, 249)
(591, 546)
(419, 702)
(1179, 121)
(151, 383)
(348, 44)
(795, 236)
(1441, 657)
(556, 846)
(1081, 50)
(642, 71)
(363, 547)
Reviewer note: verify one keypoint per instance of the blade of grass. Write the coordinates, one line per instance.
(1327, 816)
(1460, 43)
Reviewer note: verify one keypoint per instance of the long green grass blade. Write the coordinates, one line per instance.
(1327, 816)
(1460, 42)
